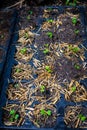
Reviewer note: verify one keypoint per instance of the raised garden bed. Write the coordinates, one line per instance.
(46, 82)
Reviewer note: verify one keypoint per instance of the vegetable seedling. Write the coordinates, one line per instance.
(76, 31)
(50, 20)
(46, 51)
(30, 12)
(2, 36)
(50, 34)
(28, 17)
(46, 45)
(77, 66)
(71, 3)
(18, 70)
(48, 69)
(23, 50)
(74, 88)
(82, 117)
(16, 85)
(45, 113)
(75, 49)
(12, 112)
(74, 20)
(26, 36)
(14, 116)
(42, 89)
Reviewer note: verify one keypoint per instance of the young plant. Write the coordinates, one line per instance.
(74, 20)
(46, 45)
(50, 20)
(74, 3)
(16, 85)
(50, 34)
(42, 88)
(2, 36)
(74, 88)
(46, 51)
(76, 32)
(77, 66)
(30, 12)
(23, 50)
(18, 70)
(13, 115)
(74, 49)
(28, 17)
(43, 112)
(82, 117)
(48, 69)
(26, 36)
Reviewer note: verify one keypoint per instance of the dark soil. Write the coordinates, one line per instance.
(2, 53)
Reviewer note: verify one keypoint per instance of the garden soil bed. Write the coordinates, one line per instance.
(42, 87)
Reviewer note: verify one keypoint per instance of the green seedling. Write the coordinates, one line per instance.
(82, 117)
(46, 45)
(23, 50)
(12, 112)
(77, 66)
(18, 70)
(75, 49)
(50, 9)
(76, 31)
(45, 113)
(50, 34)
(16, 85)
(50, 20)
(74, 20)
(74, 3)
(42, 89)
(46, 51)
(14, 116)
(30, 12)
(48, 69)
(28, 17)
(74, 88)
(26, 36)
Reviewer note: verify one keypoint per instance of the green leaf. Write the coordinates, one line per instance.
(23, 50)
(2, 36)
(50, 20)
(11, 119)
(75, 49)
(18, 70)
(42, 112)
(28, 17)
(77, 67)
(72, 4)
(74, 88)
(76, 31)
(30, 12)
(12, 112)
(16, 85)
(48, 69)
(42, 88)
(46, 51)
(49, 112)
(83, 118)
(16, 116)
(74, 20)
(80, 115)
(46, 45)
(67, 2)
(26, 35)
(49, 34)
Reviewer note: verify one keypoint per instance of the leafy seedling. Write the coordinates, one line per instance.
(74, 3)
(45, 113)
(16, 85)
(50, 9)
(77, 66)
(23, 50)
(12, 112)
(74, 88)
(48, 69)
(16, 116)
(82, 117)
(42, 89)
(76, 32)
(75, 49)
(46, 51)
(30, 12)
(18, 70)
(74, 20)
(50, 34)
(50, 20)
(26, 36)
(28, 17)
(46, 45)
